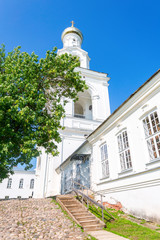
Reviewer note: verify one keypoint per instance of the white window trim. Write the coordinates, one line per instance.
(152, 136)
(124, 152)
(146, 113)
(21, 182)
(9, 183)
(32, 183)
(104, 162)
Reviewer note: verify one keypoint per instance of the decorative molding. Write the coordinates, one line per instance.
(126, 171)
(95, 97)
(139, 185)
(130, 176)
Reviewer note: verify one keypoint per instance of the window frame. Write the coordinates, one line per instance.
(32, 183)
(9, 183)
(104, 160)
(124, 151)
(151, 136)
(21, 182)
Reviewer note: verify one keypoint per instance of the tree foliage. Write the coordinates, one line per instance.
(31, 109)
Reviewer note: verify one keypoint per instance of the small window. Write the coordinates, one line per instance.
(104, 160)
(152, 134)
(9, 184)
(124, 151)
(21, 183)
(32, 184)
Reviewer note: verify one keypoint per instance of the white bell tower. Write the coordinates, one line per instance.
(82, 117)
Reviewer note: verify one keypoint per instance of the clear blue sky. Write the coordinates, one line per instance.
(122, 37)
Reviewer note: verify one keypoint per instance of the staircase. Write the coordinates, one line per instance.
(79, 213)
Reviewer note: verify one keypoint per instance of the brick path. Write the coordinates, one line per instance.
(35, 219)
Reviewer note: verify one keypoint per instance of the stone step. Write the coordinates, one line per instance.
(89, 222)
(93, 227)
(72, 205)
(81, 212)
(85, 217)
(68, 201)
(65, 197)
(78, 211)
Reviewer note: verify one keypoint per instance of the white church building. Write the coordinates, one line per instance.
(19, 185)
(117, 154)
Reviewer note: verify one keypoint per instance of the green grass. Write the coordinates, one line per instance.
(124, 227)
(90, 238)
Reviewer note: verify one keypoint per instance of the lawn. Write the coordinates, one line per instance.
(124, 227)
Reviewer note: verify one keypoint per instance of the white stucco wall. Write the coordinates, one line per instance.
(15, 191)
(138, 188)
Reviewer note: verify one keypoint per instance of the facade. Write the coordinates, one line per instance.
(117, 154)
(81, 119)
(125, 164)
(18, 185)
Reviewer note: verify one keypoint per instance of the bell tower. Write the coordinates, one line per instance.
(82, 117)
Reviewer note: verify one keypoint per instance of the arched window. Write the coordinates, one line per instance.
(32, 184)
(83, 107)
(78, 110)
(21, 183)
(9, 184)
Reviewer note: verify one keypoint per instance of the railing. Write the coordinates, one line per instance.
(80, 192)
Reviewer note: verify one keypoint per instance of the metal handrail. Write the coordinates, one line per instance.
(95, 192)
(90, 199)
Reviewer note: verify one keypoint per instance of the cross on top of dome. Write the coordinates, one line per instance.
(72, 23)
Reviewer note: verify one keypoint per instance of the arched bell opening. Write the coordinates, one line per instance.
(83, 107)
(78, 110)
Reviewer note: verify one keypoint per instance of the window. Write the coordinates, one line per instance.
(152, 133)
(21, 183)
(124, 151)
(78, 110)
(83, 106)
(104, 161)
(32, 183)
(9, 184)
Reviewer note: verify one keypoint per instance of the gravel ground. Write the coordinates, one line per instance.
(35, 219)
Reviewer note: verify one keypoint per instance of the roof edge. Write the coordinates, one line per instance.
(117, 109)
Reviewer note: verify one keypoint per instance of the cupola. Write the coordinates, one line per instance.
(72, 37)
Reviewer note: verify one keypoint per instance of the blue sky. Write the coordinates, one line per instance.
(122, 37)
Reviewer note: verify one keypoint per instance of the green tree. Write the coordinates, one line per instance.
(31, 94)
